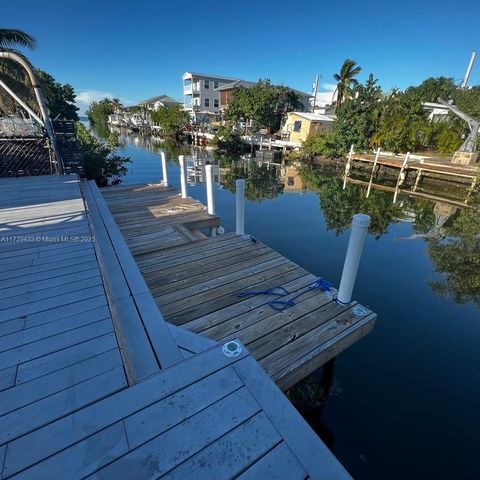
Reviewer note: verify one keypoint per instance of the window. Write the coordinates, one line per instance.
(207, 102)
(297, 126)
(187, 82)
(215, 103)
(207, 84)
(215, 84)
(291, 181)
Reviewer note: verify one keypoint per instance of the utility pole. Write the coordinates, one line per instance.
(315, 90)
(469, 70)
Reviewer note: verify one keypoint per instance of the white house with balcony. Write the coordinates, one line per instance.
(200, 95)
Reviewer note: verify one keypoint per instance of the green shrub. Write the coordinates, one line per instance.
(102, 164)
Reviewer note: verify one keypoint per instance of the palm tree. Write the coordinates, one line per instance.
(12, 73)
(11, 38)
(345, 80)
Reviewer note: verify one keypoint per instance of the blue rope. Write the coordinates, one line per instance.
(279, 305)
(280, 291)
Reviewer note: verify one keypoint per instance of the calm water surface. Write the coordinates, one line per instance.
(405, 400)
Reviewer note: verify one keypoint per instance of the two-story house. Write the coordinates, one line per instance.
(200, 94)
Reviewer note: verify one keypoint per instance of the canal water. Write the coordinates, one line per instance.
(405, 400)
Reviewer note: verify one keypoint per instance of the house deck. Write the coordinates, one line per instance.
(94, 383)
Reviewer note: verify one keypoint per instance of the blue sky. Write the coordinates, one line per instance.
(134, 50)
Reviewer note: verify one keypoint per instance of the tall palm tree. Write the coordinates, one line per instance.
(345, 80)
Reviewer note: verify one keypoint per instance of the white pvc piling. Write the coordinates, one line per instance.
(240, 206)
(209, 183)
(360, 224)
(183, 176)
(164, 169)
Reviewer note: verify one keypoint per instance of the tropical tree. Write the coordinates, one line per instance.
(172, 120)
(12, 73)
(263, 105)
(98, 112)
(346, 80)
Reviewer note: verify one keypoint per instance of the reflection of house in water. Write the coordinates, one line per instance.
(196, 167)
(292, 180)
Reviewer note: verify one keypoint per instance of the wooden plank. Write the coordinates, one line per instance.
(160, 336)
(7, 378)
(190, 341)
(76, 308)
(183, 441)
(248, 309)
(42, 387)
(83, 458)
(46, 410)
(45, 274)
(54, 343)
(66, 357)
(297, 434)
(277, 464)
(321, 354)
(280, 276)
(250, 441)
(31, 448)
(49, 283)
(12, 326)
(34, 334)
(162, 416)
(63, 289)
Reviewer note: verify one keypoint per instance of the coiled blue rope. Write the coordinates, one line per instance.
(280, 291)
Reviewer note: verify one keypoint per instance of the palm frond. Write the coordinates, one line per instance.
(11, 37)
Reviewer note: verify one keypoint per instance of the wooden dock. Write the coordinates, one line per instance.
(196, 283)
(441, 167)
(94, 383)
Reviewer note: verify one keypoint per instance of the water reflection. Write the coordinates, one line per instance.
(451, 231)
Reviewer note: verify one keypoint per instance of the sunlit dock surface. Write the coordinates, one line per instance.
(93, 381)
(197, 281)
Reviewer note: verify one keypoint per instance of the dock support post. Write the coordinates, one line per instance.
(373, 171)
(183, 176)
(360, 224)
(210, 197)
(240, 206)
(401, 176)
(347, 167)
(164, 169)
(417, 180)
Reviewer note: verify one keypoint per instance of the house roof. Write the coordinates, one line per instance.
(313, 117)
(236, 84)
(159, 98)
(207, 75)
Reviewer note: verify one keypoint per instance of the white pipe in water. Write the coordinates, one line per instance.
(240, 206)
(209, 183)
(164, 169)
(360, 224)
(183, 176)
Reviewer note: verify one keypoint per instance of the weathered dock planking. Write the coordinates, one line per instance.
(94, 383)
(195, 283)
(433, 166)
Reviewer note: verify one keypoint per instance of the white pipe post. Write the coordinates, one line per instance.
(360, 224)
(210, 196)
(240, 206)
(347, 167)
(183, 176)
(164, 169)
(373, 171)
